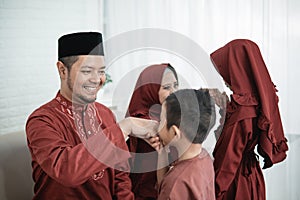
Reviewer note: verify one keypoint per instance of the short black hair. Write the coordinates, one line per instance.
(68, 61)
(192, 111)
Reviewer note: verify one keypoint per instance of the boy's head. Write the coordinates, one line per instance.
(188, 114)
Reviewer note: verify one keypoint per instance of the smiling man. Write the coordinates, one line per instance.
(78, 150)
(82, 83)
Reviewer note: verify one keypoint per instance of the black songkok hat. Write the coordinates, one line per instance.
(82, 43)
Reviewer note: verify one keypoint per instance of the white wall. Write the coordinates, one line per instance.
(29, 30)
(282, 180)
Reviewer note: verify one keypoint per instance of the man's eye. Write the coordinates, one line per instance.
(86, 72)
(101, 72)
(166, 87)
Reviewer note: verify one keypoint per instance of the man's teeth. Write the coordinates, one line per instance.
(91, 89)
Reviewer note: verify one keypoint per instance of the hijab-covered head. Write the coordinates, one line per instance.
(242, 67)
(145, 102)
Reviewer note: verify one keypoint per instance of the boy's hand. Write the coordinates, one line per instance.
(154, 142)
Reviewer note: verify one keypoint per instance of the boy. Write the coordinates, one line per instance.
(186, 119)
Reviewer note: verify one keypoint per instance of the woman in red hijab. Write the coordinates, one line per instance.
(252, 119)
(153, 86)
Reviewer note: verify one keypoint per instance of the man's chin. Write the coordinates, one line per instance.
(85, 100)
(89, 100)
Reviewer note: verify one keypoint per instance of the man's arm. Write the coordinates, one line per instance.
(123, 186)
(68, 164)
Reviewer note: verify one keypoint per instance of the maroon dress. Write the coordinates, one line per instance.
(252, 120)
(145, 104)
(77, 152)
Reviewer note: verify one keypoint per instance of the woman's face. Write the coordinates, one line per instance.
(169, 84)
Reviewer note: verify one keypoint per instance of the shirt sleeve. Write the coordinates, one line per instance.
(68, 164)
(123, 186)
(228, 154)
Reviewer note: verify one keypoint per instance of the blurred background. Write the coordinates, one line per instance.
(29, 30)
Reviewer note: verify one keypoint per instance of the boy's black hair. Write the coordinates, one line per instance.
(193, 112)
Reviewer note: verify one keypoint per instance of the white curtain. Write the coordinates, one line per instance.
(213, 23)
(273, 25)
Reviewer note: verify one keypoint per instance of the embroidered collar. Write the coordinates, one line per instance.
(71, 105)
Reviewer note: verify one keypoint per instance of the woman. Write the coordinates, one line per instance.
(153, 86)
(252, 119)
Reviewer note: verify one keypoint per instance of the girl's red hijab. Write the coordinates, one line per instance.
(241, 65)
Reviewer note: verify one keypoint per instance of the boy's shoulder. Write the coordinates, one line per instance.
(196, 169)
(189, 178)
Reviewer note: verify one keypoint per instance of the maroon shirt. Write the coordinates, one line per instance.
(189, 179)
(67, 143)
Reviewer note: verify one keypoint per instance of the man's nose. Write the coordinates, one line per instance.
(95, 77)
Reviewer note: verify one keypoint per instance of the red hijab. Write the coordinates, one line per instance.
(145, 102)
(241, 65)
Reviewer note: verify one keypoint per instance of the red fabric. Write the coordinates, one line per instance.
(252, 119)
(189, 179)
(145, 95)
(66, 143)
(145, 104)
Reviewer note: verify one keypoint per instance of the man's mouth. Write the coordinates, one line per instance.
(91, 89)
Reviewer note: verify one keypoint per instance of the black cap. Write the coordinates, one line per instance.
(81, 43)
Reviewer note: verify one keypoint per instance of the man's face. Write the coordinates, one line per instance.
(85, 78)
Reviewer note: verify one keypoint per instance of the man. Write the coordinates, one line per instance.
(78, 150)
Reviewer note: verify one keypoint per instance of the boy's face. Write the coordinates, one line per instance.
(165, 135)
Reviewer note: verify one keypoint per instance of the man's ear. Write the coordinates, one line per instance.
(62, 70)
(177, 133)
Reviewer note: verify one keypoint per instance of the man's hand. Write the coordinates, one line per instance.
(141, 128)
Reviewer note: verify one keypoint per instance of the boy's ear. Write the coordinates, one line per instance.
(62, 70)
(176, 131)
